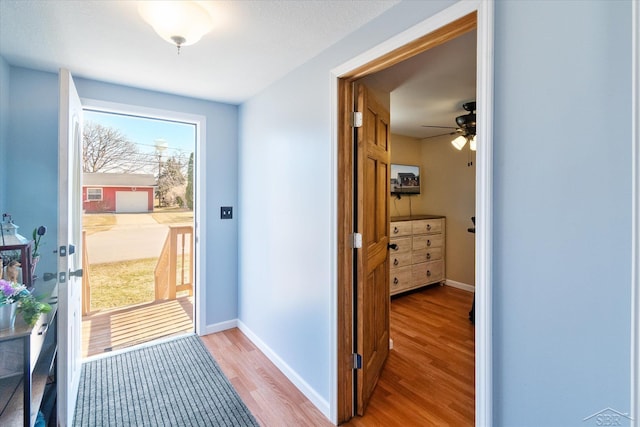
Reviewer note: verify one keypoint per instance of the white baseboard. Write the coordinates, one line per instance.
(292, 375)
(222, 326)
(460, 285)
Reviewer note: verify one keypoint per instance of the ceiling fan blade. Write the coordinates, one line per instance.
(439, 127)
(442, 134)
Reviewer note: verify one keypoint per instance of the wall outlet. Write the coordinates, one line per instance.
(226, 212)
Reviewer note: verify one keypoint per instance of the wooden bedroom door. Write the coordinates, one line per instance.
(372, 222)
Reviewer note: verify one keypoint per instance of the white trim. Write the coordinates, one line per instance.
(484, 186)
(289, 372)
(484, 216)
(200, 218)
(460, 285)
(333, 273)
(108, 354)
(635, 216)
(221, 326)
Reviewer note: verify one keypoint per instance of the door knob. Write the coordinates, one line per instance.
(77, 273)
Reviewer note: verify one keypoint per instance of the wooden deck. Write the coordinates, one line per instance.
(119, 328)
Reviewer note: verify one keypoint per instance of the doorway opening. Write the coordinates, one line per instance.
(138, 203)
(455, 21)
(431, 204)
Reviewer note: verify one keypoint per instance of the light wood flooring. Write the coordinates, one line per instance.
(119, 328)
(428, 379)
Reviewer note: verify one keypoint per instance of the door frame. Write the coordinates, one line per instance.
(200, 217)
(441, 27)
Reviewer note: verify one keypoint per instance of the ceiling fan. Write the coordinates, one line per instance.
(466, 129)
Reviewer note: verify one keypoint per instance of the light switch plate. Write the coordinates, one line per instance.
(226, 212)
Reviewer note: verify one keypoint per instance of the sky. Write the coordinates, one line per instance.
(144, 132)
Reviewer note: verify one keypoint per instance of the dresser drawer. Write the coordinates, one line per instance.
(404, 245)
(425, 226)
(428, 272)
(400, 278)
(400, 228)
(427, 242)
(426, 255)
(399, 259)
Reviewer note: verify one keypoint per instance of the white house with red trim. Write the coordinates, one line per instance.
(117, 192)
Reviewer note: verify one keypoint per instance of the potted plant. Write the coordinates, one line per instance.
(16, 298)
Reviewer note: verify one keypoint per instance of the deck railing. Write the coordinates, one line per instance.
(86, 283)
(174, 271)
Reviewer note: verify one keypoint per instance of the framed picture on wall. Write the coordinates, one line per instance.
(405, 179)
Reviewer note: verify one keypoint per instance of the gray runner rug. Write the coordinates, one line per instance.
(174, 383)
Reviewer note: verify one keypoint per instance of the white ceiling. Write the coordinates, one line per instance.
(430, 88)
(253, 44)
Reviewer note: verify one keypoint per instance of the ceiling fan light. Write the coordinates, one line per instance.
(472, 143)
(459, 142)
(181, 23)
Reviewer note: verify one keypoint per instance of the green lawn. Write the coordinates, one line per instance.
(93, 223)
(118, 284)
(123, 283)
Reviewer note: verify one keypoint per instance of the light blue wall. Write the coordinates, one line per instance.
(31, 165)
(33, 147)
(4, 124)
(221, 164)
(561, 200)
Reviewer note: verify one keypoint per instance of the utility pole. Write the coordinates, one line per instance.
(160, 145)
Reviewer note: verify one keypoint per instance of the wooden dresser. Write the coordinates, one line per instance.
(418, 259)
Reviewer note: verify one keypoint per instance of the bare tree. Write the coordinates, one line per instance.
(171, 177)
(107, 150)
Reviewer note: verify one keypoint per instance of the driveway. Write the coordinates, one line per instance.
(135, 236)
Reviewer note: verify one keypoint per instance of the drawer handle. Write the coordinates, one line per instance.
(428, 242)
(393, 246)
(395, 230)
(395, 280)
(428, 227)
(428, 256)
(43, 328)
(428, 273)
(395, 261)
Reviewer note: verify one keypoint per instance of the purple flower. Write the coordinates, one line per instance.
(6, 288)
(11, 292)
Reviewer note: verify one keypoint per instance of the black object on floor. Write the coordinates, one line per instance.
(472, 313)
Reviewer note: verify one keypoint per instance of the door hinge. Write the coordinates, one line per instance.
(357, 361)
(356, 119)
(356, 241)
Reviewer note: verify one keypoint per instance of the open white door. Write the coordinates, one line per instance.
(69, 248)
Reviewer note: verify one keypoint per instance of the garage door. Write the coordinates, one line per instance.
(131, 201)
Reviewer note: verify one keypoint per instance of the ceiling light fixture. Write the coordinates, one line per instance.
(461, 140)
(181, 23)
(467, 124)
